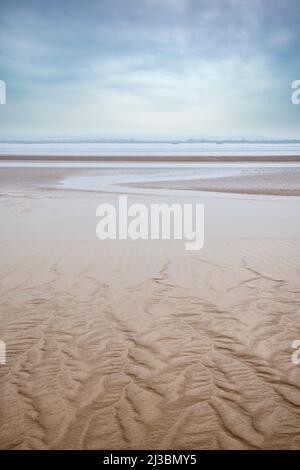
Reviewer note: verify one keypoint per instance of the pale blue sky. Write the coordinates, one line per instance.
(150, 67)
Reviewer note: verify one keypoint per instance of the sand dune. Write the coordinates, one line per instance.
(189, 351)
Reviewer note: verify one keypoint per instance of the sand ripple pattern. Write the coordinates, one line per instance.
(145, 345)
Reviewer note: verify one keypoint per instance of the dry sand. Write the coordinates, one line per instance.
(128, 345)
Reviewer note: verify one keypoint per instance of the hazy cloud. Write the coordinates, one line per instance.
(147, 66)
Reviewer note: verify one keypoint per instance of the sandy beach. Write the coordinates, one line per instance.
(143, 345)
(149, 231)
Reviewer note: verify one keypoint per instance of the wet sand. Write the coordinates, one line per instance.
(128, 345)
(283, 182)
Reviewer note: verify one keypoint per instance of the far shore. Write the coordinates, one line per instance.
(154, 158)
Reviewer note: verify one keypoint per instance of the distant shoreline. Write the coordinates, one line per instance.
(154, 158)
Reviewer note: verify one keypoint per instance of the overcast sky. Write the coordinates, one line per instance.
(150, 67)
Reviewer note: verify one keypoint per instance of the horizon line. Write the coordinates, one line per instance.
(64, 139)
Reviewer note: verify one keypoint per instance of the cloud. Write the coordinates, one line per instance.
(148, 66)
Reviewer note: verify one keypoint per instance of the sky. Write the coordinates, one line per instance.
(144, 68)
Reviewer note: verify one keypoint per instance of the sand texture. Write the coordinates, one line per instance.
(187, 351)
(130, 345)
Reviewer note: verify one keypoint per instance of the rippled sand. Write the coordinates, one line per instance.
(138, 348)
(142, 344)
